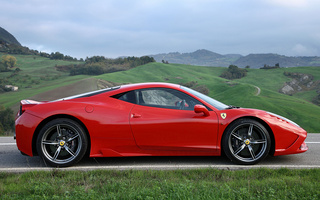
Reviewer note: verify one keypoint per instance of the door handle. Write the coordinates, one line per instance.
(134, 115)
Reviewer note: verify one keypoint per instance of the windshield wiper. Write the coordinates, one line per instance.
(232, 107)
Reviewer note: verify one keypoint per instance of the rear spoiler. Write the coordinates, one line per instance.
(25, 104)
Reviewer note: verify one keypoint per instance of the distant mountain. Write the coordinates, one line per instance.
(207, 58)
(259, 60)
(6, 37)
(200, 57)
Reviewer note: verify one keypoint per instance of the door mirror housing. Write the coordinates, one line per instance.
(201, 109)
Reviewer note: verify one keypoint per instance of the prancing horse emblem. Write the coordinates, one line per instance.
(223, 115)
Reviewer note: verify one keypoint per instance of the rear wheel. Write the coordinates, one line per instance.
(246, 141)
(62, 142)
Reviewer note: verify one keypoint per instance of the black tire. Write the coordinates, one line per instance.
(246, 141)
(62, 143)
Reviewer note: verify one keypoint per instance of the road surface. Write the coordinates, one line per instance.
(12, 161)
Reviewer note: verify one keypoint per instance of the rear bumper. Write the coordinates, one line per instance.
(26, 125)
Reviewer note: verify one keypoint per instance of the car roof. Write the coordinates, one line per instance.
(136, 86)
(122, 88)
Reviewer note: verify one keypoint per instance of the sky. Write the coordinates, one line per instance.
(113, 28)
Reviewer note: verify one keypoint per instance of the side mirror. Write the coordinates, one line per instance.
(201, 109)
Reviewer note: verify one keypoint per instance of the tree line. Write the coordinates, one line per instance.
(97, 65)
(17, 49)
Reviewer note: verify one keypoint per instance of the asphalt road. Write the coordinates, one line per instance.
(12, 161)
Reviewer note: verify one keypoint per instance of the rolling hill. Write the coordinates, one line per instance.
(39, 80)
(207, 58)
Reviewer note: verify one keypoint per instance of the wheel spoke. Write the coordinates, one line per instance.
(57, 153)
(240, 149)
(59, 130)
(74, 137)
(237, 136)
(50, 142)
(250, 130)
(253, 155)
(258, 141)
(70, 151)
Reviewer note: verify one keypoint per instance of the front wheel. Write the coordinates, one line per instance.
(246, 141)
(61, 143)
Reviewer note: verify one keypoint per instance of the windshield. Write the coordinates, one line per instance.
(209, 100)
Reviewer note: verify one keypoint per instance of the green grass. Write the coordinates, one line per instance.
(37, 75)
(9, 99)
(167, 184)
(274, 79)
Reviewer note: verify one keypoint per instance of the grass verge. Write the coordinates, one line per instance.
(152, 184)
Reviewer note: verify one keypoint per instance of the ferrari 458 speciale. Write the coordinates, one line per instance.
(151, 119)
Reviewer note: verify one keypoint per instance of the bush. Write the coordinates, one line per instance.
(234, 72)
(6, 121)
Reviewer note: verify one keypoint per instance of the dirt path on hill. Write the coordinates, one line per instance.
(258, 90)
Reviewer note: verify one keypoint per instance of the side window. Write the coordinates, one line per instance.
(165, 98)
(127, 96)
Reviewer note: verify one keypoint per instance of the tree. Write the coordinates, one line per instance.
(8, 61)
(57, 56)
(234, 72)
(165, 62)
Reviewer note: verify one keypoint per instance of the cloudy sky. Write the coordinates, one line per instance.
(113, 28)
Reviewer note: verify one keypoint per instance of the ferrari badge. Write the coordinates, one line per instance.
(223, 115)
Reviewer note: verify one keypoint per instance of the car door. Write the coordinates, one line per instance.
(164, 119)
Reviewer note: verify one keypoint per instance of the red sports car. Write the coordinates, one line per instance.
(151, 119)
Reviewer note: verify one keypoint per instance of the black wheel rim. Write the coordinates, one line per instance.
(248, 142)
(61, 143)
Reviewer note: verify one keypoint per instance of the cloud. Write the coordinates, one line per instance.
(299, 49)
(124, 27)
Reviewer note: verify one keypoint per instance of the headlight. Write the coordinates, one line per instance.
(283, 118)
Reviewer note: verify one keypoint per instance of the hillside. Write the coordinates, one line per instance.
(259, 60)
(39, 80)
(200, 57)
(6, 37)
(207, 58)
(37, 75)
